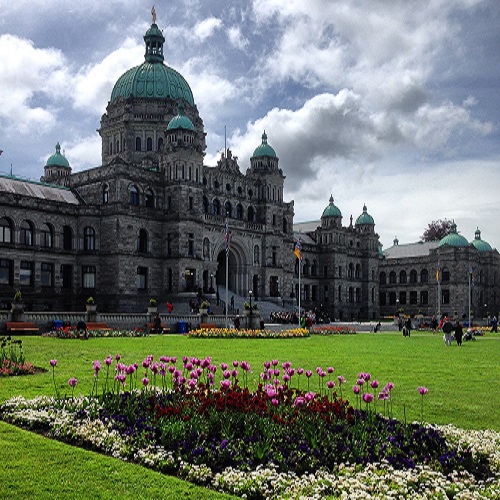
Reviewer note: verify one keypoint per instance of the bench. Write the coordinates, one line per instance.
(207, 326)
(151, 326)
(21, 327)
(98, 326)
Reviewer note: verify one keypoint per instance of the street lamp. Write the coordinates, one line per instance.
(250, 293)
(211, 283)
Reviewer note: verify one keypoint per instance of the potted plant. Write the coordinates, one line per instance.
(246, 309)
(17, 303)
(153, 306)
(91, 305)
(204, 307)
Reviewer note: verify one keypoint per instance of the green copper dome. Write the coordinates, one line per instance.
(181, 121)
(264, 149)
(152, 79)
(454, 239)
(365, 218)
(331, 210)
(481, 246)
(57, 159)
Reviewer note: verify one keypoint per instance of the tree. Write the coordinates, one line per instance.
(436, 230)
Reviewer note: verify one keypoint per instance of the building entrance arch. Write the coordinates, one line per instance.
(239, 278)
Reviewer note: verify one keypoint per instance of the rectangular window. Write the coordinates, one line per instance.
(6, 267)
(325, 271)
(445, 297)
(402, 298)
(424, 298)
(26, 273)
(191, 203)
(191, 244)
(5, 232)
(67, 275)
(169, 244)
(382, 299)
(88, 276)
(274, 257)
(413, 298)
(142, 278)
(392, 298)
(47, 274)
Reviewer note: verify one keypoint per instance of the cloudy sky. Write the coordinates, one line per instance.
(390, 103)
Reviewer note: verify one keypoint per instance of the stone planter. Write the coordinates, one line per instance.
(91, 308)
(17, 307)
(152, 310)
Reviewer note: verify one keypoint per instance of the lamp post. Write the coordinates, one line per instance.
(211, 283)
(250, 293)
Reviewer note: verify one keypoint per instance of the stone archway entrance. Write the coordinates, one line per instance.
(240, 275)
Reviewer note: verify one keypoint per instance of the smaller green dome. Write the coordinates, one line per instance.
(331, 210)
(481, 246)
(365, 218)
(57, 159)
(264, 149)
(181, 121)
(453, 239)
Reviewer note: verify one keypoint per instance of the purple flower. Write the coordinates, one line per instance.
(235, 364)
(267, 364)
(223, 366)
(72, 382)
(286, 365)
(300, 371)
(109, 360)
(97, 366)
(299, 401)
(341, 379)
(330, 369)
(226, 374)
(330, 384)
(389, 386)
(383, 395)
(356, 389)
(309, 373)
(225, 384)
(118, 357)
(374, 384)
(274, 362)
(145, 381)
(270, 391)
(191, 383)
(274, 402)
(367, 397)
(423, 390)
(310, 396)
(360, 381)
(286, 378)
(53, 362)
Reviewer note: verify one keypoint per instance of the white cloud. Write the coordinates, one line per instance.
(32, 83)
(236, 38)
(206, 28)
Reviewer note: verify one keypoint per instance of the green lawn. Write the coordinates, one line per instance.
(462, 385)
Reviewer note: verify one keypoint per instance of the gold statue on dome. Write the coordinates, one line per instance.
(153, 13)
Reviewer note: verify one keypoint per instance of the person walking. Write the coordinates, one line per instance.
(459, 333)
(447, 329)
(494, 324)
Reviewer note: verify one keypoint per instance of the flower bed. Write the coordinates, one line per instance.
(332, 330)
(73, 333)
(12, 359)
(278, 441)
(248, 333)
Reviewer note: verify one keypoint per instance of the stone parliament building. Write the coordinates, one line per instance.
(151, 222)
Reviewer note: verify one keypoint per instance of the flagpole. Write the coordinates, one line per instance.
(227, 267)
(469, 295)
(299, 292)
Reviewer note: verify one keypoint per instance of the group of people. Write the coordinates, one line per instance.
(449, 329)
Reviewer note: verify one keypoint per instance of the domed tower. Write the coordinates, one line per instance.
(453, 239)
(57, 169)
(143, 101)
(332, 216)
(479, 244)
(365, 222)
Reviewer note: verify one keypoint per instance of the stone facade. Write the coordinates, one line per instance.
(151, 222)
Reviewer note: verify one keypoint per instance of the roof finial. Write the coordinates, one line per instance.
(153, 13)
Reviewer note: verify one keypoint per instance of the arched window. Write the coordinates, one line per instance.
(142, 241)
(89, 238)
(250, 214)
(138, 144)
(160, 143)
(46, 236)
(205, 205)
(134, 196)
(149, 198)
(26, 233)
(149, 144)
(382, 278)
(413, 276)
(105, 194)
(402, 277)
(445, 274)
(350, 270)
(256, 255)
(5, 231)
(216, 207)
(239, 211)
(424, 276)
(67, 238)
(392, 277)
(228, 209)
(358, 271)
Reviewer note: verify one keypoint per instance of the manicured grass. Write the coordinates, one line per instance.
(461, 381)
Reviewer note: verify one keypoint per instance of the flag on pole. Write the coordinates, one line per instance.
(298, 250)
(228, 239)
(471, 271)
(438, 270)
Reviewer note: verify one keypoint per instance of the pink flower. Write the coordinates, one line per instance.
(300, 371)
(341, 379)
(360, 381)
(234, 373)
(225, 384)
(274, 402)
(191, 383)
(423, 390)
(226, 374)
(374, 384)
(286, 378)
(274, 362)
(53, 362)
(330, 369)
(356, 389)
(109, 360)
(286, 365)
(330, 384)
(309, 373)
(383, 395)
(309, 396)
(223, 366)
(118, 357)
(299, 401)
(145, 381)
(267, 364)
(270, 391)
(235, 364)
(97, 366)
(72, 382)
(389, 386)
(367, 397)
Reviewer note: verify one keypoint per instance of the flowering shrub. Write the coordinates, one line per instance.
(332, 330)
(12, 359)
(73, 333)
(248, 333)
(276, 440)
